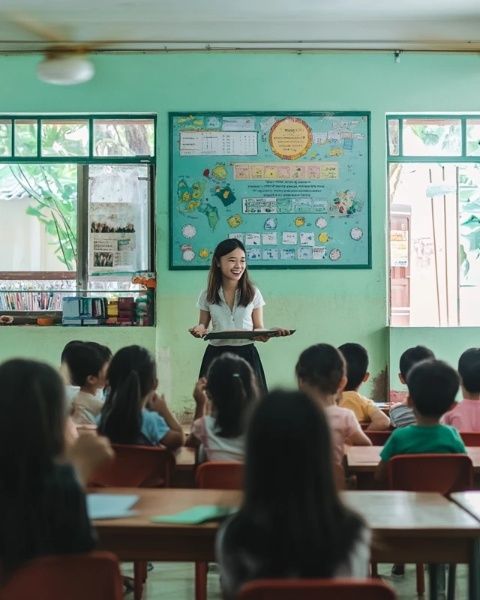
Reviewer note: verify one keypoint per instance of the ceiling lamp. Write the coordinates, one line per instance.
(65, 69)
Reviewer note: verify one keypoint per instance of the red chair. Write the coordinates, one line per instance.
(93, 576)
(470, 438)
(136, 466)
(215, 475)
(313, 589)
(441, 473)
(220, 475)
(378, 438)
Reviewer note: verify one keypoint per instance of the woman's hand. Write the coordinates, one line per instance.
(280, 331)
(199, 331)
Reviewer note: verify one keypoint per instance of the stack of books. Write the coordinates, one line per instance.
(83, 310)
(121, 311)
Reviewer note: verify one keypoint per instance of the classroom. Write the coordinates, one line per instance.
(334, 306)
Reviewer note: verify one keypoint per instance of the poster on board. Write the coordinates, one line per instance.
(293, 187)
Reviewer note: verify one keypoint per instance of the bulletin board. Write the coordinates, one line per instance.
(293, 187)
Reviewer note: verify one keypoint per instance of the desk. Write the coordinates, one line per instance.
(407, 527)
(184, 475)
(364, 459)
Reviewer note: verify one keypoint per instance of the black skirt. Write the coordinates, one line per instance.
(247, 352)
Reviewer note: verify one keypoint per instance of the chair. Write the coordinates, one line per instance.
(215, 475)
(441, 473)
(95, 576)
(220, 475)
(136, 466)
(313, 589)
(378, 438)
(470, 438)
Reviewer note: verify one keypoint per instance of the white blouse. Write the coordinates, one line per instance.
(222, 318)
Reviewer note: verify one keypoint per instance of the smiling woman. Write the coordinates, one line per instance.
(230, 301)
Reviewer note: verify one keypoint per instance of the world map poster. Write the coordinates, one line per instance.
(294, 188)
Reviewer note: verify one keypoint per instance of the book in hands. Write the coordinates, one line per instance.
(243, 334)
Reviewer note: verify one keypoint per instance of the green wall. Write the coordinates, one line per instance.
(332, 306)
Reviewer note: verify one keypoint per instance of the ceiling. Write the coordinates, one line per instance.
(156, 25)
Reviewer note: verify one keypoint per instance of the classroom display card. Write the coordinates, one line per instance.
(293, 187)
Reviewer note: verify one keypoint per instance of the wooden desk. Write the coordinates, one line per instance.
(364, 459)
(407, 527)
(469, 501)
(184, 475)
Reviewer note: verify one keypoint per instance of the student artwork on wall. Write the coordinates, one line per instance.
(293, 187)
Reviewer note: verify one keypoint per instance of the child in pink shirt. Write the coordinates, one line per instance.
(465, 416)
(320, 372)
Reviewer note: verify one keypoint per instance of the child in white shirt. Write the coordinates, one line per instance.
(231, 387)
(88, 367)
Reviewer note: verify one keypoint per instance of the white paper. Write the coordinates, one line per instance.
(110, 506)
(218, 143)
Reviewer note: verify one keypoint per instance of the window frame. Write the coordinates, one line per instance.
(90, 118)
(80, 276)
(401, 158)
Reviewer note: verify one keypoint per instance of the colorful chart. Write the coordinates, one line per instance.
(294, 188)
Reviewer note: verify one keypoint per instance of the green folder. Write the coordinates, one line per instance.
(197, 514)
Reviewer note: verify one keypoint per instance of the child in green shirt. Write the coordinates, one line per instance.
(432, 387)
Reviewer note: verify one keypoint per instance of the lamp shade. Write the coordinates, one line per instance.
(65, 70)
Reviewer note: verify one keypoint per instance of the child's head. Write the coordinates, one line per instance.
(411, 357)
(232, 389)
(132, 378)
(229, 263)
(469, 370)
(88, 362)
(283, 487)
(32, 407)
(66, 359)
(285, 428)
(432, 387)
(321, 367)
(356, 358)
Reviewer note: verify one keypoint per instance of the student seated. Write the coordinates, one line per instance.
(133, 413)
(231, 387)
(292, 522)
(88, 368)
(365, 410)
(432, 386)
(465, 415)
(42, 504)
(320, 373)
(401, 414)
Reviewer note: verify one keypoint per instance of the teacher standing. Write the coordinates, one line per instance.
(230, 301)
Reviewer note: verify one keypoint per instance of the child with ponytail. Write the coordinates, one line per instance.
(232, 389)
(132, 381)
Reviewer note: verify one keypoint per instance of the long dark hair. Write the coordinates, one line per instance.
(32, 408)
(292, 521)
(131, 376)
(32, 405)
(245, 286)
(233, 390)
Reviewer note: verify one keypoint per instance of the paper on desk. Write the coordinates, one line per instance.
(197, 514)
(110, 506)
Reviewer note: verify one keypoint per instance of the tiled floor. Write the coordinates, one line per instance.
(174, 581)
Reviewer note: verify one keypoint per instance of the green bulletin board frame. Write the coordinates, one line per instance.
(293, 186)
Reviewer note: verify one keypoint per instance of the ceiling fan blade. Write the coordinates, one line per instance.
(28, 23)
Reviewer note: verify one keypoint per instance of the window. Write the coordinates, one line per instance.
(434, 200)
(77, 205)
